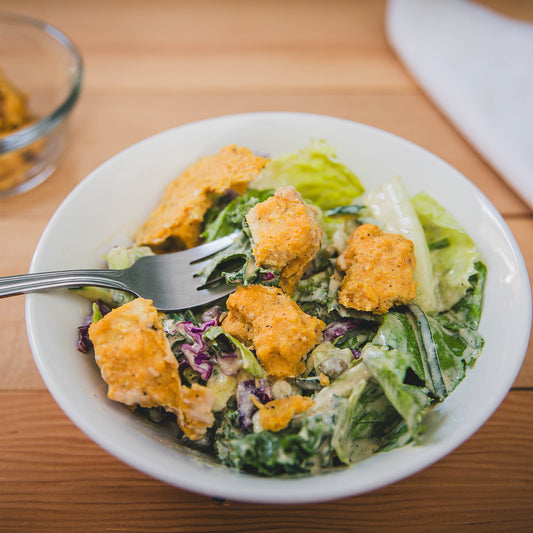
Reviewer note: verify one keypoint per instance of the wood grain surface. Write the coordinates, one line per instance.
(153, 65)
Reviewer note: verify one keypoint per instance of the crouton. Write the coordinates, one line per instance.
(137, 363)
(277, 414)
(272, 324)
(379, 270)
(286, 235)
(177, 221)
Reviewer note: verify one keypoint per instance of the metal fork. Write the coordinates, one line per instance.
(169, 280)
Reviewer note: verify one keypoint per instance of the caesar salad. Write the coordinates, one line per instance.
(354, 313)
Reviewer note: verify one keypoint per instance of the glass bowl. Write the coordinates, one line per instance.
(40, 67)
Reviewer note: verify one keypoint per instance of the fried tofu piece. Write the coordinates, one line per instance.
(178, 217)
(285, 234)
(14, 115)
(277, 414)
(13, 106)
(267, 320)
(137, 363)
(379, 270)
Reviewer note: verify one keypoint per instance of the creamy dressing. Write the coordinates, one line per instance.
(327, 400)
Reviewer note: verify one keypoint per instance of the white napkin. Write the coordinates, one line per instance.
(477, 66)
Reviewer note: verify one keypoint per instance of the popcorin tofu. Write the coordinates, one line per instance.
(277, 414)
(176, 222)
(379, 270)
(13, 107)
(137, 363)
(286, 235)
(266, 319)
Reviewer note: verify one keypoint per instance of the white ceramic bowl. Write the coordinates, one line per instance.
(108, 206)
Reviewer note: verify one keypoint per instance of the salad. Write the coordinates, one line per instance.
(354, 313)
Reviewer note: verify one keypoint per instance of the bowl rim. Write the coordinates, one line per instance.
(29, 134)
(289, 490)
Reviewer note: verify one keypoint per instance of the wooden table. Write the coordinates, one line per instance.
(150, 66)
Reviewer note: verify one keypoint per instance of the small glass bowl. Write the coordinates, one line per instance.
(43, 64)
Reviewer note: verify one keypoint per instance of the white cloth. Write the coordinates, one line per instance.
(477, 66)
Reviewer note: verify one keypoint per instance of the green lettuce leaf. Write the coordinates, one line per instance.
(316, 174)
(397, 333)
(317, 294)
(301, 448)
(453, 252)
(236, 265)
(366, 423)
(455, 332)
(363, 419)
(389, 367)
(120, 257)
(468, 310)
(430, 352)
(223, 219)
(249, 361)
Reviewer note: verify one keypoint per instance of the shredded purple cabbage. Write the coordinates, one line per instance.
(267, 276)
(338, 329)
(197, 354)
(356, 353)
(85, 344)
(245, 406)
(170, 327)
(199, 362)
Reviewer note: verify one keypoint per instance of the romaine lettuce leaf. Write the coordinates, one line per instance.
(389, 367)
(455, 332)
(397, 333)
(316, 174)
(317, 294)
(249, 362)
(301, 448)
(366, 423)
(120, 257)
(436, 348)
(236, 265)
(453, 252)
(468, 310)
(223, 220)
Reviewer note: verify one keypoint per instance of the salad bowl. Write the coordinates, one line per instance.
(127, 187)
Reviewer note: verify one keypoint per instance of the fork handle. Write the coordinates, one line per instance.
(13, 285)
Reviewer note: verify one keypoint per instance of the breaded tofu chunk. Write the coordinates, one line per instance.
(286, 235)
(277, 414)
(267, 320)
(178, 217)
(13, 106)
(379, 270)
(137, 363)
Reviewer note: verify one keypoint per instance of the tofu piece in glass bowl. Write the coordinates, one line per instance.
(40, 81)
